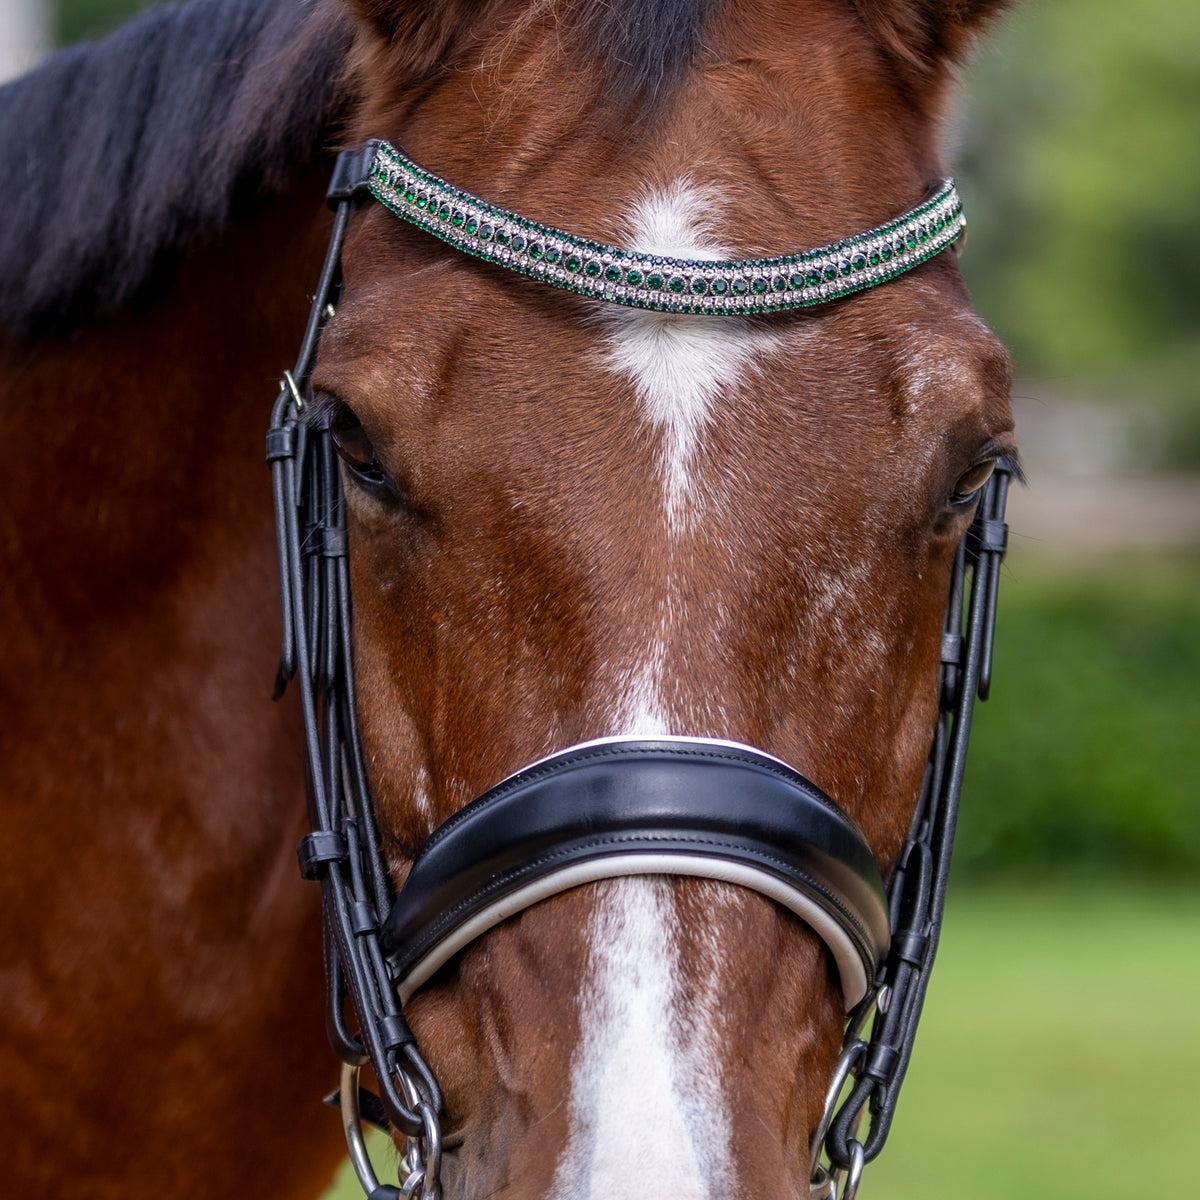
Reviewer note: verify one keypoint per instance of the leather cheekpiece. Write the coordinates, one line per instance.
(629, 807)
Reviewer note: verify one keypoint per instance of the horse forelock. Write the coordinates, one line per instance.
(127, 153)
(629, 57)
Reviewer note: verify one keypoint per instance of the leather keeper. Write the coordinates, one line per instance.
(318, 848)
(989, 536)
(281, 443)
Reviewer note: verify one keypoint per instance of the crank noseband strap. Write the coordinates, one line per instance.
(620, 807)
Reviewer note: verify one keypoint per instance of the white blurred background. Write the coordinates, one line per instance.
(24, 35)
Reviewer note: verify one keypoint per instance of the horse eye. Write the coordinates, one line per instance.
(354, 448)
(350, 439)
(972, 481)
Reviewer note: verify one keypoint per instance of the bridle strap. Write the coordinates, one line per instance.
(616, 807)
(342, 851)
(877, 1061)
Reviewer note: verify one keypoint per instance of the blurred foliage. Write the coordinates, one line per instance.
(1080, 162)
(1087, 755)
(76, 20)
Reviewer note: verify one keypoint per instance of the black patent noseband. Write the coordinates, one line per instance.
(605, 809)
(634, 806)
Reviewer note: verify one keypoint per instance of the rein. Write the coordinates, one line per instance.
(635, 806)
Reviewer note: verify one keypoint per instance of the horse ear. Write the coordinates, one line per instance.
(926, 35)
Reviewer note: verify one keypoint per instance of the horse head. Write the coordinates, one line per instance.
(572, 522)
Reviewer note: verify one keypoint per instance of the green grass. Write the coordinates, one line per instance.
(346, 1187)
(1059, 1051)
(1058, 1054)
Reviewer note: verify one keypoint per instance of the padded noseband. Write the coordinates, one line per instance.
(618, 807)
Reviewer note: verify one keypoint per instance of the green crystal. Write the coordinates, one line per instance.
(536, 250)
(612, 273)
(699, 286)
(574, 263)
(634, 278)
(739, 285)
(654, 281)
(458, 219)
(592, 268)
(676, 283)
(719, 287)
(779, 284)
(758, 285)
(553, 255)
(519, 243)
(503, 237)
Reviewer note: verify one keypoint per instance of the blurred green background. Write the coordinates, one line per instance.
(1062, 1030)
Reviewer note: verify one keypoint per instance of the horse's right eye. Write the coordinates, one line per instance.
(356, 451)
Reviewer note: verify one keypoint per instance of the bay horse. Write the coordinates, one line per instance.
(724, 540)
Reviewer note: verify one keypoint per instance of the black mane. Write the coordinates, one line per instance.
(119, 154)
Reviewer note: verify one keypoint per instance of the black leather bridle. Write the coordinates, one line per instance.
(615, 807)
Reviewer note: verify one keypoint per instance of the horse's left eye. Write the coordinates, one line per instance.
(970, 483)
(354, 448)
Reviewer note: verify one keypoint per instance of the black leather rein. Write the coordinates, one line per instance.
(616, 807)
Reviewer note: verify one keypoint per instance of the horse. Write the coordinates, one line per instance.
(600, 536)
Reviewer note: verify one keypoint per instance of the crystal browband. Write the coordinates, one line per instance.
(719, 288)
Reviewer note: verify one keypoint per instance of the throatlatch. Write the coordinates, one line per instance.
(618, 806)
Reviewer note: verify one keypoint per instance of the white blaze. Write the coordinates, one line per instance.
(679, 364)
(645, 1101)
(645, 1088)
